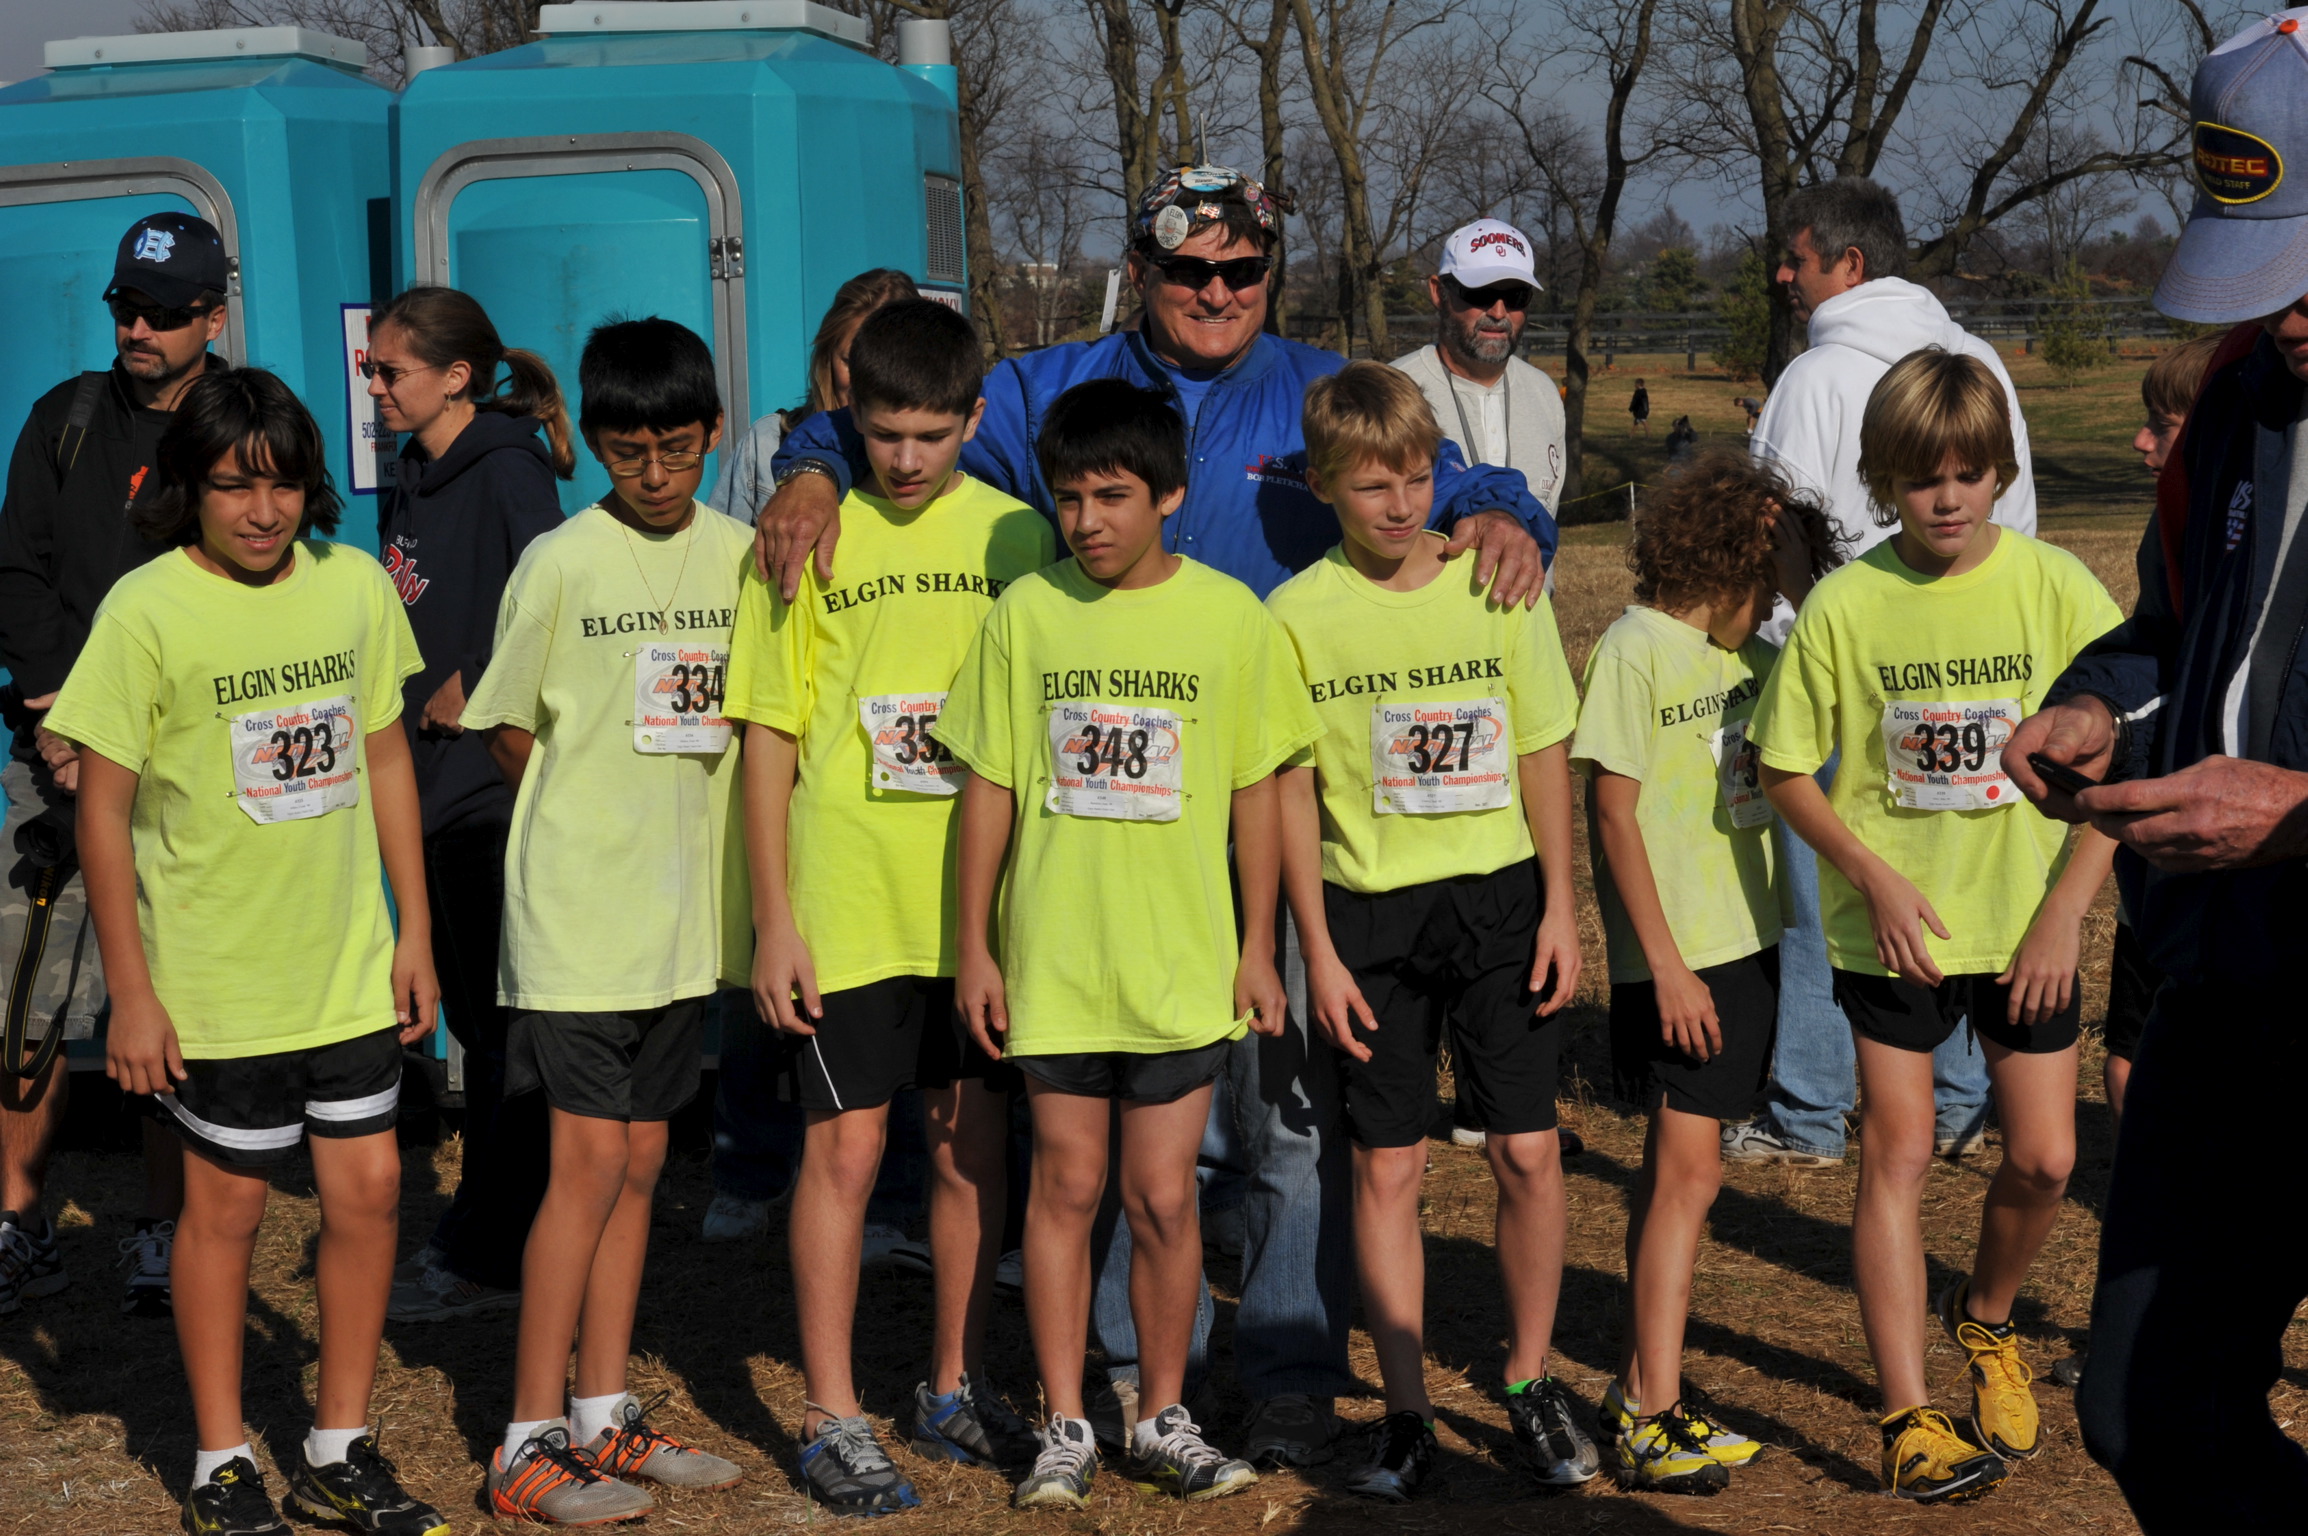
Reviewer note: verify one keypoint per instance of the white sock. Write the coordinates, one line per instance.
(517, 1435)
(327, 1447)
(588, 1416)
(1143, 1437)
(205, 1463)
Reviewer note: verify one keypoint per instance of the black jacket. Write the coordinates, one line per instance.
(64, 531)
(450, 531)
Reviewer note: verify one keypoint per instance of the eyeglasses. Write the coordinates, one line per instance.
(671, 463)
(159, 317)
(372, 369)
(1515, 296)
(1193, 272)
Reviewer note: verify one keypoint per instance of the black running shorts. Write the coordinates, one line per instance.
(1726, 1086)
(875, 1040)
(254, 1111)
(1448, 958)
(1917, 1018)
(635, 1064)
(1142, 1077)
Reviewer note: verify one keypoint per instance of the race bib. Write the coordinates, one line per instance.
(1118, 762)
(1739, 769)
(297, 761)
(906, 756)
(1439, 756)
(677, 691)
(1949, 757)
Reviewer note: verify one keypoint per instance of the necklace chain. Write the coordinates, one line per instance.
(634, 549)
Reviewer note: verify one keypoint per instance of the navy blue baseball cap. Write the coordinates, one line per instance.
(172, 259)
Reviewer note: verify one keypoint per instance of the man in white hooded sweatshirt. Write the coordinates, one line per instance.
(1841, 269)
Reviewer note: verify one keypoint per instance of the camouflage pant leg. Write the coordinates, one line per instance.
(68, 976)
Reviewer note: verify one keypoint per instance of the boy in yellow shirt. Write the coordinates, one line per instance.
(850, 826)
(1139, 703)
(1941, 902)
(1433, 896)
(625, 899)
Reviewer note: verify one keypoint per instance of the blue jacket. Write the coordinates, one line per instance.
(1247, 511)
(2169, 666)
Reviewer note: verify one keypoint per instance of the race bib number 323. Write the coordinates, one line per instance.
(297, 761)
(677, 692)
(905, 755)
(1948, 756)
(1116, 762)
(1439, 756)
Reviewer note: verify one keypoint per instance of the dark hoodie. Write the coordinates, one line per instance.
(450, 531)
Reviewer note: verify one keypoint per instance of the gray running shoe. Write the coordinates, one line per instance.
(440, 1294)
(1561, 1453)
(970, 1424)
(733, 1218)
(146, 1256)
(630, 1448)
(1759, 1141)
(1062, 1472)
(1182, 1463)
(1291, 1430)
(30, 1263)
(553, 1481)
(1402, 1453)
(845, 1469)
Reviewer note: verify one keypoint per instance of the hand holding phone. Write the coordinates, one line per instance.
(2059, 775)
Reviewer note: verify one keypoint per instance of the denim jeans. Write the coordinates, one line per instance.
(1274, 1145)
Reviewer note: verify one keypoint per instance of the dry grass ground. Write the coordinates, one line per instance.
(95, 1437)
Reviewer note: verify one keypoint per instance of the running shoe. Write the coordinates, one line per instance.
(844, 1468)
(440, 1294)
(363, 1493)
(733, 1218)
(1062, 1471)
(1560, 1453)
(1292, 1429)
(232, 1503)
(911, 1258)
(30, 1263)
(1925, 1460)
(1664, 1454)
(2003, 1408)
(1180, 1462)
(629, 1448)
(552, 1481)
(1010, 1275)
(1615, 1418)
(880, 1245)
(145, 1256)
(2069, 1373)
(1759, 1141)
(970, 1424)
(1402, 1453)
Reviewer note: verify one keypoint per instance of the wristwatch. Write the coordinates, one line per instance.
(802, 467)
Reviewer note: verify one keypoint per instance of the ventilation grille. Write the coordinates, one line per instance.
(942, 200)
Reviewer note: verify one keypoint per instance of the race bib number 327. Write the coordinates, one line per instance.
(677, 692)
(1116, 762)
(1948, 756)
(297, 761)
(905, 755)
(1440, 756)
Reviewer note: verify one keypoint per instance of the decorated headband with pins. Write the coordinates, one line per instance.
(1193, 197)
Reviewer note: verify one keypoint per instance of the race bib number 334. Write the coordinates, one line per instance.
(1116, 762)
(1439, 756)
(677, 691)
(1948, 756)
(297, 761)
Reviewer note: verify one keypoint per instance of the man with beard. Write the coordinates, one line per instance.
(65, 537)
(1496, 407)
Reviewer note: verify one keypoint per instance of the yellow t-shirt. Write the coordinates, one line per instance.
(1917, 683)
(857, 670)
(246, 713)
(1668, 706)
(1436, 692)
(1124, 722)
(625, 882)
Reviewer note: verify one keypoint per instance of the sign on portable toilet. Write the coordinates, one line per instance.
(724, 163)
(273, 135)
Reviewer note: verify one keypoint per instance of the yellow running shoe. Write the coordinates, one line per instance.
(1616, 1419)
(2003, 1409)
(1924, 1459)
(1662, 1455)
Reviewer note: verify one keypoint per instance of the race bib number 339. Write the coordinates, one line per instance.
(677, 691)
(297, 761)
(905, 755)
(1948, 756)
(1116, 762)
(1439, 756)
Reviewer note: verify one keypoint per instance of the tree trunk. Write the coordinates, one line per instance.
(1325, 69)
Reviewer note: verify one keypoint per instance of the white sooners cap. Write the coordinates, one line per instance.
(1486, 252)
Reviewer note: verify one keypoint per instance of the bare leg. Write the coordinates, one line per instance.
(588, 1179)
(1070, 1137)
(1533, 1218)
(2035, 1097)
(613, 1289)
(1163, 1204)
(214, 1237)
(969, 1200)
(841, 1152)
(1895, 1141)
(30, 1113)
(359, 1180)
(1684, 1164)
(1390, 1257)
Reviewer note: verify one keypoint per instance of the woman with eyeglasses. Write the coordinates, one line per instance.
(472, 486)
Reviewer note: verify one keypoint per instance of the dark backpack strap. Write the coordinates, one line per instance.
(42, 886)
(84, 400)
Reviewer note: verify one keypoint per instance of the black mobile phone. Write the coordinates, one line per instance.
(2060, 775)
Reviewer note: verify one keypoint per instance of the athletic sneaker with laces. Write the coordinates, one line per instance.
(844, 1468)
(30, 1262)
(1616, 1417)
(1664, 1454)
(232, 1503)
(629, 1448)
(1759, 1141)
(145, 1256)
(555, 1482)
(733, 1218)
(1925, 1460)
(363, 1492)
(970, 1424)
(440, 1294)
(1176, 1460)
(2003, 1407)
(1291, 1429)
(1561, 1453)
(1063, 1468)
(1402, 1452)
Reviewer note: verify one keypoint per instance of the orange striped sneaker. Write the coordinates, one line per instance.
(553, 1482)
(630, 1448)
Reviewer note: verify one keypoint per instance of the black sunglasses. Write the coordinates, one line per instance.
(1516, 296)
(1193, 272)
(160, 317)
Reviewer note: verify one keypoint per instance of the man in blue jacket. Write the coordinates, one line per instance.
(2195, 712)
(1203, 246)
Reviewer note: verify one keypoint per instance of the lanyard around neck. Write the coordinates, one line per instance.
(1506, 413)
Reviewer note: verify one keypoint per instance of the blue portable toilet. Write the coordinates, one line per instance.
(273, 135)
(724, 163)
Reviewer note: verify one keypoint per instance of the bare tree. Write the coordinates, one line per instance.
(385, 27)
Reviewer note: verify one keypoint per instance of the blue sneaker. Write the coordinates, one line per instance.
(970, 1424)
(845, 1469)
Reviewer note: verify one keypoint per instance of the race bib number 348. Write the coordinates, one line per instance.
(1117, 762)
(1946, 756)
(1440, 756)
(905, 755)
(298, 761)
(677, 692)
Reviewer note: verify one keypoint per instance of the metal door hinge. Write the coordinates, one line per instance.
(728, 254)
